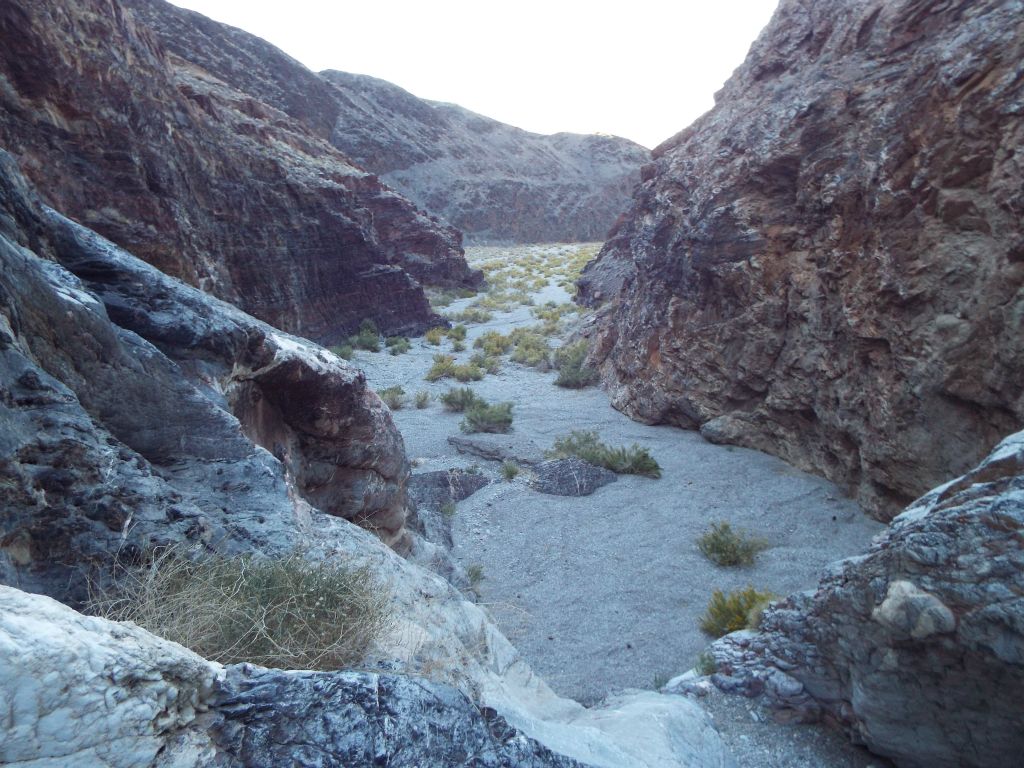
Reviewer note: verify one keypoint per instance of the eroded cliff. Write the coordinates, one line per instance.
(829, 265)
(189, 168)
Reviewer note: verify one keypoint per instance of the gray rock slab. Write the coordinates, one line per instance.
(571, 476)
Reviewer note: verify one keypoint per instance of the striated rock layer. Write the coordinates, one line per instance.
(495, 182)
(135, 410)
(828, 266)
(185, 164)
(917, 647)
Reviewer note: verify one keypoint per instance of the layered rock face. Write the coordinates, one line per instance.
(138, 411)
(829, 265)
(194, 172)
(495, 182)
(917, 647)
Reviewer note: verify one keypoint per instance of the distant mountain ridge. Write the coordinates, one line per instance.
(493, 181)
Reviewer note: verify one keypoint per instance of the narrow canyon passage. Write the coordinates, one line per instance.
(605, 592)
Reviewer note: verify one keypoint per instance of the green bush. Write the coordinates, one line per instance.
(740, 609)
(460, 399)
(530, 348)
(587, 445)
(434, 335)
(448, 509)
(488, 418)
(467, 372)
(724, 546)
(458, 346)
(422, 399)
(472, 315)
(705, 664)
(573, 372)
(457, 333)
(397, 345)
(368, 337)
(442, 368)
(509, 470)
(344, 351)
(493, 343)
(284, 612)
(394, 397)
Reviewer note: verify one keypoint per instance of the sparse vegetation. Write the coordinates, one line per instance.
(724, 546)
(705, 664)
(481, 417)
(422, 399)
(434, 335)
(493, 343)
(472, 315)
(509, 470)
(587, 445)
(368, 337)
(344, 351)
(475, 575)
(457, 333)
(573, 372)
(461, 398)
(739, 609)
(286, 612)
(397, 345)
(448, 509)
(445, 367)
(394, 397)
(458, 346)
(530, 348)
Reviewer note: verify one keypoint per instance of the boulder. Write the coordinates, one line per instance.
(571, 476)
(828, 266)
(917, 647)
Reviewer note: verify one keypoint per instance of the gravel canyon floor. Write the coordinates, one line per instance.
(605, 592)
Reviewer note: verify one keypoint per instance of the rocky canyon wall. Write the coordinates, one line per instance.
(829, 265)
(199, 175)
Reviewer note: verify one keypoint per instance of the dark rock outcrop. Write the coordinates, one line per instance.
(353, 719)
(570, 476)
(136, 410)
(495, 182)
(177, 157)
(917, 647)
(828, 266)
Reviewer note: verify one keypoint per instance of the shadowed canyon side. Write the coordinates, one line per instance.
(829, 265)
(197, 174)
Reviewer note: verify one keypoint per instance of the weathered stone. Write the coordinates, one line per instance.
(495, 447)
(138, 411)
(826, 266)
(919, 658)
(495, 182)
(177, 157)
(571, 476)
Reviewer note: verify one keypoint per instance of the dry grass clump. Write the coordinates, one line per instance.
(460, 399)
(394, 397)
(286, 612)
(530, 348)
(724, 546)
(397, 345)
(739, 609)
(493, 343)
(422, 399)
(587, 445)
(481, 417)
(368, 337)
(434, 335)
(573, 372)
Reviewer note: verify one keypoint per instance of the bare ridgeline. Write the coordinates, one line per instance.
(828, 267)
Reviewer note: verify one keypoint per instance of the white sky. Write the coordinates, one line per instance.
(643, 69)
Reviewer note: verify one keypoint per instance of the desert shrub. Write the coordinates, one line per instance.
(467, 372)
(397, 345)
(434, 335)
(442, 368)
(739, 609)
(724, 546)
(489, 364)
(422, 399)
(394, 397)
(475, 575)
(448, 509)
(530, 348)
(461, 398)
(284, 612)
(509, 470)
(472, 315)
(705, 664)
(458, 346)
(587, 445)
(481, 417)
(368, 337)
(493, 343)
(457, 333)
(573, 372)
(344, 351)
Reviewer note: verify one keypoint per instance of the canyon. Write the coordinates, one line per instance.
(823, 274)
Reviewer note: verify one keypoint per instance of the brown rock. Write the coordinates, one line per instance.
(826, 266)
(197, 174)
